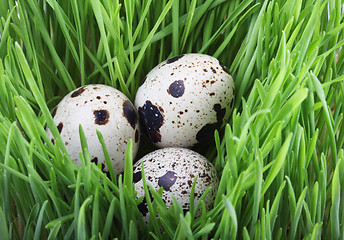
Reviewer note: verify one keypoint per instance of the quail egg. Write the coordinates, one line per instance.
(103, 108)
(175, 170)
(184, 99)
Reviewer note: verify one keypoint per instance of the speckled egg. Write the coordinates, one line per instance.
(175, 170)
(103, 108)
(184, 99)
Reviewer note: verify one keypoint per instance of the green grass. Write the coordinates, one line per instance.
(279, 158)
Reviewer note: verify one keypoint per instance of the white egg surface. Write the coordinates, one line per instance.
(184, 99)
(103, 108)
(175, 170)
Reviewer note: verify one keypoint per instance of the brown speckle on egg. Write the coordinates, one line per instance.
(60, 127)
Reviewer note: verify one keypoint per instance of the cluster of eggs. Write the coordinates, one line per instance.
(180, 104)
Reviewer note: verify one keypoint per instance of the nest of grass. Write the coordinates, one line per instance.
(279, 157)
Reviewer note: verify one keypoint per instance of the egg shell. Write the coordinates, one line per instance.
(103, 108)
(184, 99)
(175, 170)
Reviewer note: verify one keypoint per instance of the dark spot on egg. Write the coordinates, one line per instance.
(213, 70)
(173, 59)
(176, 89)
(143, 207)
(224, 68)
(151, 120)
(101, 117)
(137, 136)
(166, 181)
(54, 112)
(78, 92)
(98, 97)
(103, 167)
(59, 127)
(206, 132)
(137, 176)
(95, 160)
(129, 113)
(220, 112)
(190, 183)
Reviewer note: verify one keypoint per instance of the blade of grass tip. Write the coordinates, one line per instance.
(297, 214)
(29, 221)
(38, 228)
(53, 233)
(275, 205)
(244, 133)
(133, 233)
(151, 210)
(81, 225)
(5, 33)
(314, 201)
(321, 94)
(335, 208)
(109, 220)
(311, 147)
(232, 213)
(148, 40)
(192, 197)
(204, 231)
(277, 165)
(128, 168)
(107, 157)
(317, 231)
